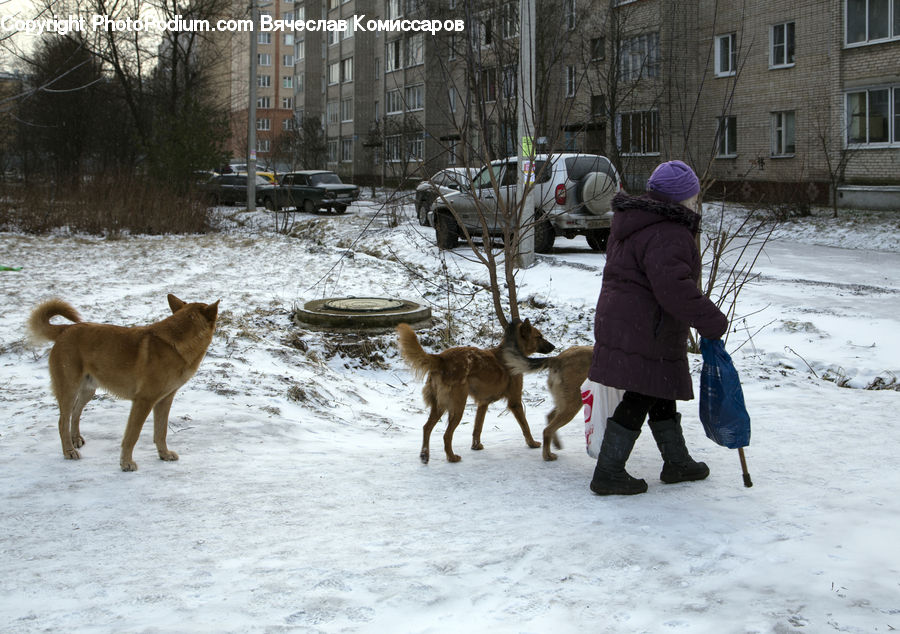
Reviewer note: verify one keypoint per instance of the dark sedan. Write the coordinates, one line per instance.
(231, 189)
(316, 189)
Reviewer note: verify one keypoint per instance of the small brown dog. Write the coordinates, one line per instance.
(567, 371)
(145, 364)
(457, 373)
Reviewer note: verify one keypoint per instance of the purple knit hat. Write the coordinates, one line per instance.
(674, 180)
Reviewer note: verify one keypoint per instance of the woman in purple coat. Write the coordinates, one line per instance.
(648, 301)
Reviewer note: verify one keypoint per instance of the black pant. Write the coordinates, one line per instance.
(635, 407)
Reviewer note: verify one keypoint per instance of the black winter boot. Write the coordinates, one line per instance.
(610, 477)
(678, 466)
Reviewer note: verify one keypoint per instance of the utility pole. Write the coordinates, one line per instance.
(525, 152)
(251, 111)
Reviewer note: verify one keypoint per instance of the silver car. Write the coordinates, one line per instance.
(443, 182)
(572, 196)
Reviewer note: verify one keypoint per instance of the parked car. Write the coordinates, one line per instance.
(316, 189)
(572, 196)
(231, 189)
(440, 184)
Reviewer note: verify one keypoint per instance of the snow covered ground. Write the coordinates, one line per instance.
(299, 503)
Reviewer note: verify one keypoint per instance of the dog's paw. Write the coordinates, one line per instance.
(78, 441)
(453, 458)
(423, 456)
(71, 454)
(533, 444)
(167, 455)
(477, 446)
(128, 465)
(549, 456)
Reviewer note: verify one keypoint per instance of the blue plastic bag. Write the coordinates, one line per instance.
(722, 410)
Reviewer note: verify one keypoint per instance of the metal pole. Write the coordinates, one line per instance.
(251, 112)
(525, 152)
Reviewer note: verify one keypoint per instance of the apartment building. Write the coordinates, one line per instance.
(764, 98)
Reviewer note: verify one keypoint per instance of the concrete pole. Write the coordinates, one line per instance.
(525, 135)
(251, 112)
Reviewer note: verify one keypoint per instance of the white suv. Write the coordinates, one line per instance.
(572, 196)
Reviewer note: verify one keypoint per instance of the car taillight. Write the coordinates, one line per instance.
(560, 194)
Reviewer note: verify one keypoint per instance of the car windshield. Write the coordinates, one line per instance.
(328, 178)
(484, 178)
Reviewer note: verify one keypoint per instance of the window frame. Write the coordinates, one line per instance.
(892, 20)
(779, 146)
(726, 137)
(649, 144)
(892, 120)
(731, 71)
(789, 45)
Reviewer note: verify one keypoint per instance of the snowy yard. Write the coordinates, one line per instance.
(299, 503)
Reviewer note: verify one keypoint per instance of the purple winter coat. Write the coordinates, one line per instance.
(649, 299)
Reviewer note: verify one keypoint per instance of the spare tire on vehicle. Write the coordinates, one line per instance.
(595, 191)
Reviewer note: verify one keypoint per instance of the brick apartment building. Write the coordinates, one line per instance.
(766, 98)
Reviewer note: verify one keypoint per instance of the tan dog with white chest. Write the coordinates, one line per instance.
(144, 364)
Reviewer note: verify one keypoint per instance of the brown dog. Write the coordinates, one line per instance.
(457, 373)
(567, 371)
(145, 364)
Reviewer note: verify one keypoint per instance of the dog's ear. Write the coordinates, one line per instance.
(174, 303)
(210, 311)
(526, 326)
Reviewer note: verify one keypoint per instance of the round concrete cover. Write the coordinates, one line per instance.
(361, 312)
(363, 304)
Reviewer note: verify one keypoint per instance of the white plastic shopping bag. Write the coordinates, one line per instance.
(599, 404)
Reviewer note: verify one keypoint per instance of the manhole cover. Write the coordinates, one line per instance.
(356, 313)
(363, 304)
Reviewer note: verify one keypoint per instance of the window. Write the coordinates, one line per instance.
(452, 151)
(288, 39)
(872, 20)
(782, 45)
(300, 51)
(415, 50)
(726, 55)
(333, 37)
(332, 112)
(264, 102)
(264, 81)
(639, 57)
(510, 81)
(598, 48)
(451, 98)
(287, 60)
(415, 147)
(489, 84)
(393, 9)
(287, 81)
(392, 148)
(392, 59)
(415, 97)
(484, 31)
(346, 150)
(263, 124)
(598, 106)
(726, 137)
(301, 82)
(570, 14)
(638, 132)
(873, 116)
(783, 134)
(264, 59)
(347, 109)
(264, 38)
(287, 124)
(347, 69)
(262, 145)
(570, 81)
(509, 20)
(394, 102)
(287, 103)
(334, 73)
(332, 151)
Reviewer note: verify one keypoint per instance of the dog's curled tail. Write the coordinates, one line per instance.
(39, 327)
(412, 351)
(515, 361)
